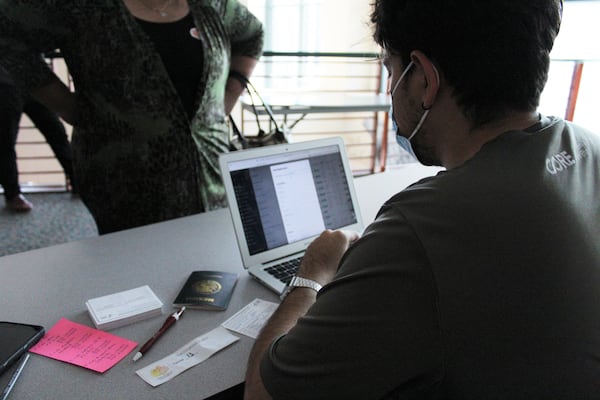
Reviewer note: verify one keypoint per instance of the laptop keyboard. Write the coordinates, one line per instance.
(286, 270)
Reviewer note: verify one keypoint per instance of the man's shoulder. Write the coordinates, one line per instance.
(582, 132)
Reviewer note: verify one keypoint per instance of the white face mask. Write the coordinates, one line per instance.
(402, 140)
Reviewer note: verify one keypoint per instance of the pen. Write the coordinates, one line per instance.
(168, 323)
(15, 376)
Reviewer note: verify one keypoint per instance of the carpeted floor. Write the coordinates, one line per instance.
(55, 218)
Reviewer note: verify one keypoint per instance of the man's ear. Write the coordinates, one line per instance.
(431, 75)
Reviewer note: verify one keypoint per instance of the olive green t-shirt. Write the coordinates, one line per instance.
(481, 282)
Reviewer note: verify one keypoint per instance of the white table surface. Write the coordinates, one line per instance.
(41, 286)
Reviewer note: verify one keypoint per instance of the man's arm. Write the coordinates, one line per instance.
(293, 307)
(319, 264)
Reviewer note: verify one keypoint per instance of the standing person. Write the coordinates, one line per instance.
(11, 109)
(481, 282)
(154, 80)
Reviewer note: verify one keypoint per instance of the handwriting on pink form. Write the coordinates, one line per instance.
(83, 346)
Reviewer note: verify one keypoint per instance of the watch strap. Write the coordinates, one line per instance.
(305, 282)
(301, 282)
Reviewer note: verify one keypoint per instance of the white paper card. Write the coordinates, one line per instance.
(186, 357)
(124, 307)
(250, 320)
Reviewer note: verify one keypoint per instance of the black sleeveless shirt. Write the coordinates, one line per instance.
(182, 56)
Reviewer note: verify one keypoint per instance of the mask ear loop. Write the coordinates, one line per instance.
(414, 132)
(410, 64)
(426, 108)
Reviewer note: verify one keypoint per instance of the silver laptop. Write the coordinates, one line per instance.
(281, 197)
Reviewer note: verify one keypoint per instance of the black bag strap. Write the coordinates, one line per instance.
(237, 133)
(264, 105)
(248, 85)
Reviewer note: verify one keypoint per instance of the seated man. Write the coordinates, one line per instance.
(481, 282)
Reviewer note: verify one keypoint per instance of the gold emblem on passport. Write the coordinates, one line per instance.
(207, 287)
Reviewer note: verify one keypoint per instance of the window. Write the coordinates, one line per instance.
(321, 47)
(315, 25)
(575, 43)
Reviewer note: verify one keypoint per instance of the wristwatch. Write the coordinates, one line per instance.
(300, 282)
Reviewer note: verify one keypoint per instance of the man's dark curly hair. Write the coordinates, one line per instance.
(494, 53)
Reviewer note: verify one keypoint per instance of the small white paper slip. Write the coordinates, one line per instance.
(186, 357)
(250, 320)
(122, 308)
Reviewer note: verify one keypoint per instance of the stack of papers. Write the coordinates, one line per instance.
(123, 308)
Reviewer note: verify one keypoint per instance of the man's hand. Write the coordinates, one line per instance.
(322, 258)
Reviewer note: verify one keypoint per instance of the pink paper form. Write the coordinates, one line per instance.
(83, 346)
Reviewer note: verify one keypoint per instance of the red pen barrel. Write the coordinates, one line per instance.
(166, 325)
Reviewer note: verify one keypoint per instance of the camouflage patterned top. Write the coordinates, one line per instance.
(138, 157)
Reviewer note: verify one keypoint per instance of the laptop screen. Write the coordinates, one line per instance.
(287, 197)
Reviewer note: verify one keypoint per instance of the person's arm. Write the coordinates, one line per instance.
(242, 65)
(57, 97)
(27, 31)
(320, 264)
(246, 35)
(376, 318)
